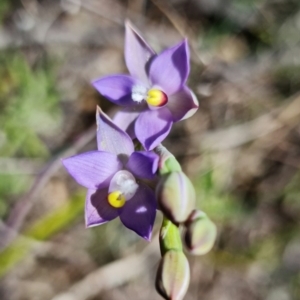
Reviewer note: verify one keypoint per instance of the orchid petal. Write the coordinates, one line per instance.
(137, 53)
(110, 137)
(93, 169)
(152, 127)
(138, 214)
(169, 70)
(125, 120)
(97, 209)
(183, 104)
(116, 88)
(143, 164)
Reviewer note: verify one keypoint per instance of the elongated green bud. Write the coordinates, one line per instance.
(173, 275)
(176, 196)
(200, 234)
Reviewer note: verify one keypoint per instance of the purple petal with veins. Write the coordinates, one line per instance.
(169, 70)
(137, 53)
(117, 88)
(138, 214)
(151, 127)
(183, 104)
(110, 137)
(143, 164)
(125, 120)
(93, 169)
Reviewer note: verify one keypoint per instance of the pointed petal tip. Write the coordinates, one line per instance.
(126, 119)
(89, 225)
(100, 113)
(62, 160)
(139, 212)
(152, 127)
(182, 43)
(155, 164)
(66, 161)
(94, 82)
(137, 53)
(183, 104)
(92, 225)
(98, 109)
(170, 68)
(148, 237)
(128, 24)
(194, 107)
(110, 136)
(92, 169)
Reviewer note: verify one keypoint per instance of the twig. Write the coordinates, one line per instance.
(19, 166)
(235, 136)
(60, 251)
(97, 8)
(241, 134)
(24, 205)
(180, 25)
(113, 274)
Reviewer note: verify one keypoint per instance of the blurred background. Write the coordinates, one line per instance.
(241, 149)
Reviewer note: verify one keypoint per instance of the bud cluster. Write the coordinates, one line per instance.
(200, 233)
(176, 199)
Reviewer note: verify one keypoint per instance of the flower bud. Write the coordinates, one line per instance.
(173, 275)
(200, 234)
(167, 161)
(176, 196)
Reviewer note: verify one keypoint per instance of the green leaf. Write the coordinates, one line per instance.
(41, 230)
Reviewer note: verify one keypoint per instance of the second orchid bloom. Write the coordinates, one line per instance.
(154, 95)
(113, 176)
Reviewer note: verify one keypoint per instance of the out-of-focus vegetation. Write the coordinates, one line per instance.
(241, 149)
(43, 229)
(29, 111)
(4, 8)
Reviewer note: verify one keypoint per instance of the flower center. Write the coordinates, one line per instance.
(116, 199)
(122, 188)
(154, 97)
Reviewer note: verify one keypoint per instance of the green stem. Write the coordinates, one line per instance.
(169, 238)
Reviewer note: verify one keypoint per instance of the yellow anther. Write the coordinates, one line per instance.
(116, 199)
(156, 97)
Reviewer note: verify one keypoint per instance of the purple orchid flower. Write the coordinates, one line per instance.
(112, 176)
(155, 95)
